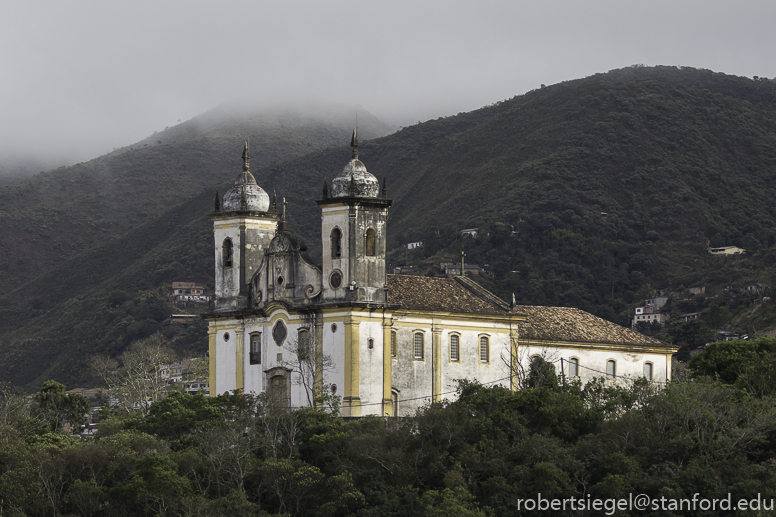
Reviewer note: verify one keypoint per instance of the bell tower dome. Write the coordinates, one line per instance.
(243, 227)
(353, 233)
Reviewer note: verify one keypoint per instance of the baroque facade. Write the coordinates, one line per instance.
(386, 344)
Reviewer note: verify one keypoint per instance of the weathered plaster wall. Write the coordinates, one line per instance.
(592, 361)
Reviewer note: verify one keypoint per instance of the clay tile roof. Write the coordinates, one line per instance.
(575, 325)
(462, 295)
(440, 294)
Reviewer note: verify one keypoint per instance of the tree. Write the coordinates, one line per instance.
(311, 368)
(541, 373)
(56, 408)
(155, 485)
(730, 359)
(137, 379)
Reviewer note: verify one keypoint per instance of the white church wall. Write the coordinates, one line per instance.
(334, 347)
(225, 358)
(469, 366)
(254, 373)
(593, 362)
(371, 366)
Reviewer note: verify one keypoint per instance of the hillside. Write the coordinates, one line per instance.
(58, 214)
(613, 185)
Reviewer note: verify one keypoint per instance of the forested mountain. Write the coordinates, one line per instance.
(588, 193)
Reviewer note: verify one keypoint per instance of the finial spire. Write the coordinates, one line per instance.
(385, 189)
(274, 202)
(284, 209)
(325, 190)
(217, 203)
(246, 158)
(354, 145)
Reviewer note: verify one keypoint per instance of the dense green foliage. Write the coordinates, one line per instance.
(477, 456)
(613, 184)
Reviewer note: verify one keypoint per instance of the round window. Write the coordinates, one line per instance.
(226, 336)
(333, 327)
(335, 280)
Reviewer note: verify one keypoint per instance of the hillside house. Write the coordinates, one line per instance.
(188, 292)
(650, 311)
(754, 287)
(697, 290)
(727, 250)
(455, 269)
(413, 245)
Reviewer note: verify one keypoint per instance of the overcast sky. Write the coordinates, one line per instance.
(79, 78)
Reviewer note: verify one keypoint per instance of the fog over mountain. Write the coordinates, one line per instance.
(82, 78)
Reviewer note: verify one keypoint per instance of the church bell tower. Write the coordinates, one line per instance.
(243, 227)
(354, 232)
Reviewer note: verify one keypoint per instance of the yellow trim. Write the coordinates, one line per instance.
(387, 368)
(467, 316)
(351, 401)
(211, 364)
(278, 314)
(335, 211)
(436, 364)
(240, 360)
(502, 328)
(514, 334)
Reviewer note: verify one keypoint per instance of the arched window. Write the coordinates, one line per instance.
(648, 371)
(418, 346)
(573, 367)
(303, 344)
(370, 243)
(226, 252)
(395, 402)
(484, 349)
(393, 344)
(255, 354)
(611, 369)
(455, 347)
(336, 243)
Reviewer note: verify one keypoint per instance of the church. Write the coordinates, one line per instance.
(384, 344)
